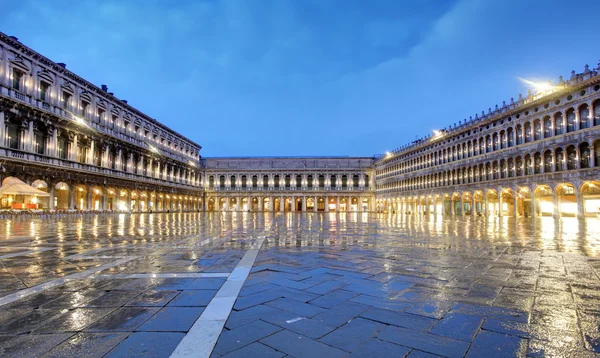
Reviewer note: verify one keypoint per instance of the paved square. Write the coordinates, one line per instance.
(322, 284)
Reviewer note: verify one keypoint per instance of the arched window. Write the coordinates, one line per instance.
(254, 181)
(571, 158)
(298, 181)
(597, 113)
(265, 181)
(537, 130)
(232, 181)
(537, 165)
(560, 159)
(211, 181)
(527, 132)
(344, 181)
(547, 127)
(309, 181)
(288, 181)
(222, 181)
(547, 161)
(584, 117)
(244, 181)
(355, 180)
(321, 181)
(276, 181)
(332, 182)
(559, 126)
(584, 152)
(571, 118)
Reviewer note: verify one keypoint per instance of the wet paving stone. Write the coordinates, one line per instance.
(492, 345)
(244, 335)
(74, 320)
(147, 344)
(354, 334)
(123, 319)
(89, 345)
(427, 281)
(458, 326)
(30, 345)
(300, 346)
(172, 319)
(378, 348)
(153, 298)
(193, 298)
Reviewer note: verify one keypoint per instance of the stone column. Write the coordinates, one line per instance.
(500, 211)
(337, 201)
(303, 203)
(579, 199)
(281, 204)
(51, 186)
(473, 207)
(485, 205)
(293, 200)
(462, 206)
(532, 204)
(315, 206)
(452, 207)
(90, 198)
(30, 144)
(556, 209)
(2, 130)
(74, 149)
(326, 203)
(516, 203)
(260, 203)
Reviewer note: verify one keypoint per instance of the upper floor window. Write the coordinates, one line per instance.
(44, 91)
(17, 76)
(65, 99)
(84, 108)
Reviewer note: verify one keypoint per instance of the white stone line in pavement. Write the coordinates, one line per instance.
(59, 281)
(28, 252)
(202, 337)
(164, 275)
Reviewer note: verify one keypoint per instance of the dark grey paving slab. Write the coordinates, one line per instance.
(193, 298)
(493, 312)
(301, 309)
(239, 318)
(124, 319)
(153, 298)
(382, 302)
(512, 328)
(327, 286)
(74, 299)
(255, 350)
(205, 283)
(333, 298)
(427, 342)
(375, 348)
(242, 336)
(74, 320)
(147, 344)
(340, 314)
(113, 299)
(300, 346)
(20, 321)
(256, 299)
(458, 326)
(252, 289)
(172, 319)
(352, 335)
(400, 319)
(89, 345)
(312, 328)
(431, 308)
(420, 354)
(30, 345)
(492, 345)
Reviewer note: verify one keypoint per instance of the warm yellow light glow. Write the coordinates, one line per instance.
(539, 86)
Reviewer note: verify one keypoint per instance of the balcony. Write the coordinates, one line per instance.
(33, 158)
(284, 189)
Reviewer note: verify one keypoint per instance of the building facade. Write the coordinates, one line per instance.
(85, 147)
(289, 184)
(537, 156)
(88, 149)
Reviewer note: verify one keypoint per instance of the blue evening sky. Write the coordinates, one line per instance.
(310, 77)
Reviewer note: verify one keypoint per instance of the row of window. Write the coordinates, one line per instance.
(572, 158)
(112, 122)
(522, 133)
(286, 181)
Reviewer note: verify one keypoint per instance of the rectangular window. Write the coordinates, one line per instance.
(39, 143)
(84, 108)
(44, 91)
(65, 100)
(13, 137)
(17, 76)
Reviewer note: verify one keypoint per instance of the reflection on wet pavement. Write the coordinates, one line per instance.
(447, 287)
